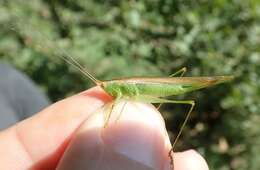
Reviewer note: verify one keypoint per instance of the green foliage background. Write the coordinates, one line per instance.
(116, 38)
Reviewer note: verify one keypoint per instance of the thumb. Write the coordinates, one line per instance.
(134, 139)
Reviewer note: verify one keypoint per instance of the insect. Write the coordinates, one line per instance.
(153, 89)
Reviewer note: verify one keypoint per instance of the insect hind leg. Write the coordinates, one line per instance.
(189, 102)
(182, 71)
(192, 103)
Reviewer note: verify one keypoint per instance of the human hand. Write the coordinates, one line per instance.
(69, 135)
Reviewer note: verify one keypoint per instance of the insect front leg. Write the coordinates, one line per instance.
(111, 107)
(121, 111)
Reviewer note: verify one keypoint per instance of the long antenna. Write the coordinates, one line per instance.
(61, 54)
(75, 64)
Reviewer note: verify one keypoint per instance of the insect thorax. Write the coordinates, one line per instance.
(118, 89)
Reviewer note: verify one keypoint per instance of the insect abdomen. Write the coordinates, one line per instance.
(162, 90)
(131, 89)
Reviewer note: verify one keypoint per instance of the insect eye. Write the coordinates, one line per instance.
(102, 85)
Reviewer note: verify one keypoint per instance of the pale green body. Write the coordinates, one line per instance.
(147, 89)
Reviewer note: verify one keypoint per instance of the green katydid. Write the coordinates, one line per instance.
(153, 89)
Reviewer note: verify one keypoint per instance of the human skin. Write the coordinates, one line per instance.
(70, 134)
